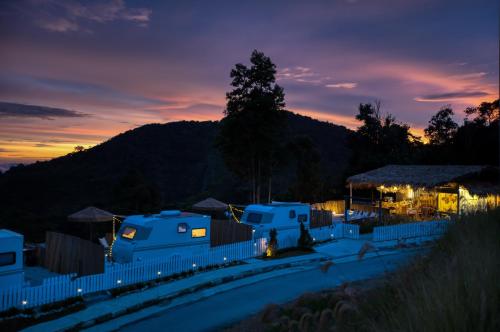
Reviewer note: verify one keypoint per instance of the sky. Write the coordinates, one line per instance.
(88, 70)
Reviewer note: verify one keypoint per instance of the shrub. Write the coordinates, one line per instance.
(305, 240)
(272, 245)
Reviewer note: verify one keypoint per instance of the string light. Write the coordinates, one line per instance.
(231, 208)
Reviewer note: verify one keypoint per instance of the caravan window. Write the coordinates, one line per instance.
(302, 218)
(198, 232)
(254, 218)
(182, 227)
(129, 232)
(7, 258)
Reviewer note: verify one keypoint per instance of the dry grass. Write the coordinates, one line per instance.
(457, 288)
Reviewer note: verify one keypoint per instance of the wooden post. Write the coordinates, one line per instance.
(380, 208)
(350, 194)
(346, 211)
(458, 200)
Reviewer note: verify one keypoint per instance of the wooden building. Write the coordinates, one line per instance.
(428, 191)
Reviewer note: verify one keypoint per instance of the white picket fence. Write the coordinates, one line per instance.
(63, 287)
(403, 231)
(118, 275)
(335, 231)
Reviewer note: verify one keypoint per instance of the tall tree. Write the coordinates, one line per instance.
(486, 113)
(308, 183)
(250, 133)
(441, 127)
(381, 140)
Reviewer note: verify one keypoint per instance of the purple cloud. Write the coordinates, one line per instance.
(68, 16)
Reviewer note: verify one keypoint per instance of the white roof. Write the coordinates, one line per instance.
(271, 207)
(5, 233)
(163, 216)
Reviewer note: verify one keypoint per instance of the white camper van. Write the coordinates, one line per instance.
(169, 233)
(284, 216)
(11, 259)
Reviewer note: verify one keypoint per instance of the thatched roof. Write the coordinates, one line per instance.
(210, 204)
(91, 214)
(415, 175)
(483, 188)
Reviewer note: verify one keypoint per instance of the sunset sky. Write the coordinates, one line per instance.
(99, 68)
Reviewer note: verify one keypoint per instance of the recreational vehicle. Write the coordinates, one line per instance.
(11, 259)
(169, 233)
(285, 217)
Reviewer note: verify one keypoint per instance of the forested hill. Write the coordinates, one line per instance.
(151, 167)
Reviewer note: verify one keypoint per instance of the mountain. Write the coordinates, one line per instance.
(151, 167)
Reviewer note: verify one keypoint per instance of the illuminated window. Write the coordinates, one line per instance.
(182, 228)
(7, 258)
(198, 232)
(129, 233)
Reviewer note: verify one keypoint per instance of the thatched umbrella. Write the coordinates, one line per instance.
(92, 215)
(210, 204)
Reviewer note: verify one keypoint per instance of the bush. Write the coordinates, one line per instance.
(272, 246)
(305, 239)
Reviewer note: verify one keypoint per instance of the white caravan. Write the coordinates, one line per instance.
(284, 216)
(167, 234)
(11, 259)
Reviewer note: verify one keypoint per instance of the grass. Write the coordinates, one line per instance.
(454, 288)
(17, 319)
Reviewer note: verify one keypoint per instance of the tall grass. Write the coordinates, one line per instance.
(456, 288)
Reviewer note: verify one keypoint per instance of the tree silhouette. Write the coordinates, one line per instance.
(250, 133)
(486, 113)
(442, 128)
(380, 140)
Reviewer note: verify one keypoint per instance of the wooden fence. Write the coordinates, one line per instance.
(69, 254)
(336, 206)
(412, 230)
(224, 232)
(320, 218)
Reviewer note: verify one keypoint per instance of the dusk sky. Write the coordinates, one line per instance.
(101, 68)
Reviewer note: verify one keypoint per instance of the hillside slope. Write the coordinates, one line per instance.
(156, 165)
